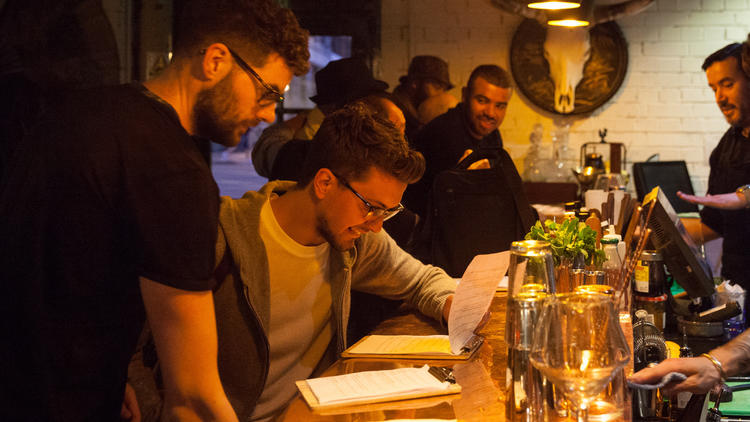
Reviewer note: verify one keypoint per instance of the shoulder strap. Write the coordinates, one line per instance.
(523, 207)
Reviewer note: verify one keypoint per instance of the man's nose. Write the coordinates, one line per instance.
(720, 95)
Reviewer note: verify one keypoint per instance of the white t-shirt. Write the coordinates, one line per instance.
(301, 324)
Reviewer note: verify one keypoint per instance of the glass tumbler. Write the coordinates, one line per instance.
(530, 280)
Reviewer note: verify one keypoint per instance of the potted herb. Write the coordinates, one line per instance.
(573, 245)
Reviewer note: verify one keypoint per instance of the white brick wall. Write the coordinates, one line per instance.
(664, 104)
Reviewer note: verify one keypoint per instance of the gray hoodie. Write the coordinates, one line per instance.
(374, 265)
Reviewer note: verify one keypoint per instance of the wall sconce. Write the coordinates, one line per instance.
(553, 4)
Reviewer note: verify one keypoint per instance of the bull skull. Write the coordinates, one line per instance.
(568, 49)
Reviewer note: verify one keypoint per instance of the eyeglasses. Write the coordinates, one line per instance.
(373, 212)
(272, 95)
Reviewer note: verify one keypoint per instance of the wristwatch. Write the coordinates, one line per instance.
(744, 191)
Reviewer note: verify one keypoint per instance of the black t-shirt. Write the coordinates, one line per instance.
(109, 187)
(730, 169)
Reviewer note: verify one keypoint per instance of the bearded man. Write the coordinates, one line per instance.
(109, 208)
(730, 164)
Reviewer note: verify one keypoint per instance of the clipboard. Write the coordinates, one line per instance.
(466, 352)
(442, 374)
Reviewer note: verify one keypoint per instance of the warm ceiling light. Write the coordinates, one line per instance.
(570, 23)
(554, 5)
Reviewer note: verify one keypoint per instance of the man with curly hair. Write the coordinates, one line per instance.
(292, 253)
(110, 209)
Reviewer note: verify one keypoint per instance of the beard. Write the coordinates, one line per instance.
(215, 114)
(324, 229)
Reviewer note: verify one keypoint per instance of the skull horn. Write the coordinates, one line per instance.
(615, 11)
(519, 8)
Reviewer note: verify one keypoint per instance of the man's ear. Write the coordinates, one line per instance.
(465, 95)
(323, 182)
(216, 62)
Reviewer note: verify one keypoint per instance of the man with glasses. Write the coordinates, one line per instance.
(292, 252)
(109, 209)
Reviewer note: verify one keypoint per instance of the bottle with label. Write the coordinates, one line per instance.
(649, 277)
(613, 263)
(648, 287)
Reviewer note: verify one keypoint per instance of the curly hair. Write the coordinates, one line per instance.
(256, 28)
(351, 140)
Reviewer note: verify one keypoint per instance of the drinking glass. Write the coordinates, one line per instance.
(530, 280)
(578, 345)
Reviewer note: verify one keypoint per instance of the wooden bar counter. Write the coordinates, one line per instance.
(482, 378)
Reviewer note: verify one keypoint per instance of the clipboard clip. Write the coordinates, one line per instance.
(442, 374)
(474, 342)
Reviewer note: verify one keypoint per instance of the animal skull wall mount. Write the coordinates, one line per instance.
(570, 70)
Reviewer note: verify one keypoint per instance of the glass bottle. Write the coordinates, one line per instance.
(613, 262)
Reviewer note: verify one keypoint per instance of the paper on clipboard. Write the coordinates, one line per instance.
(474, 295)
(374, 387)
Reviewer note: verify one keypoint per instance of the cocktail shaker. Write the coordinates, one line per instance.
(530, 280)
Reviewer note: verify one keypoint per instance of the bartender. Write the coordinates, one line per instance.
(704, 371)
(730, 164)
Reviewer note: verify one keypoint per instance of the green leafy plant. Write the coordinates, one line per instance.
(569, 239)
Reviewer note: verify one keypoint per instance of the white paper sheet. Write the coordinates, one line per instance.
(474, 295)
(372, 385)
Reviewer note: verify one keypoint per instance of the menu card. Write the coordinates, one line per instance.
(470, 303)
(374, 386)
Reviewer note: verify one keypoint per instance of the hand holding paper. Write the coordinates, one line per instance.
(474, 295)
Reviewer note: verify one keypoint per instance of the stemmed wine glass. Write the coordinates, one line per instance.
(579, 346)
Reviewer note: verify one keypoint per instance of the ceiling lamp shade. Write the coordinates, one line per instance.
(571, 18)
(570, 23)
(553, 5)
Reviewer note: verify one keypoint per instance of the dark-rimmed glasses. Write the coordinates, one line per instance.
(272, 95)
(373, 212)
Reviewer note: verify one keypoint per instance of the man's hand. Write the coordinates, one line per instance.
(130, 411)
(477, 165)
(702, 375)
(447, 312)
(724, 201)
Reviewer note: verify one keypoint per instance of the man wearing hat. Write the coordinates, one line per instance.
(338, 83)
(427, 78)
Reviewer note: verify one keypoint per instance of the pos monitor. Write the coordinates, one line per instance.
(680, 253)
(670, 176)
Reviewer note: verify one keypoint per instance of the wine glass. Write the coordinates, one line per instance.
(579, 346)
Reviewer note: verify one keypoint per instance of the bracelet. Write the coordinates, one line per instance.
(717, 364)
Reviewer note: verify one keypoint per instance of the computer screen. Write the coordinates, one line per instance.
(681, 255)
(671, 176)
